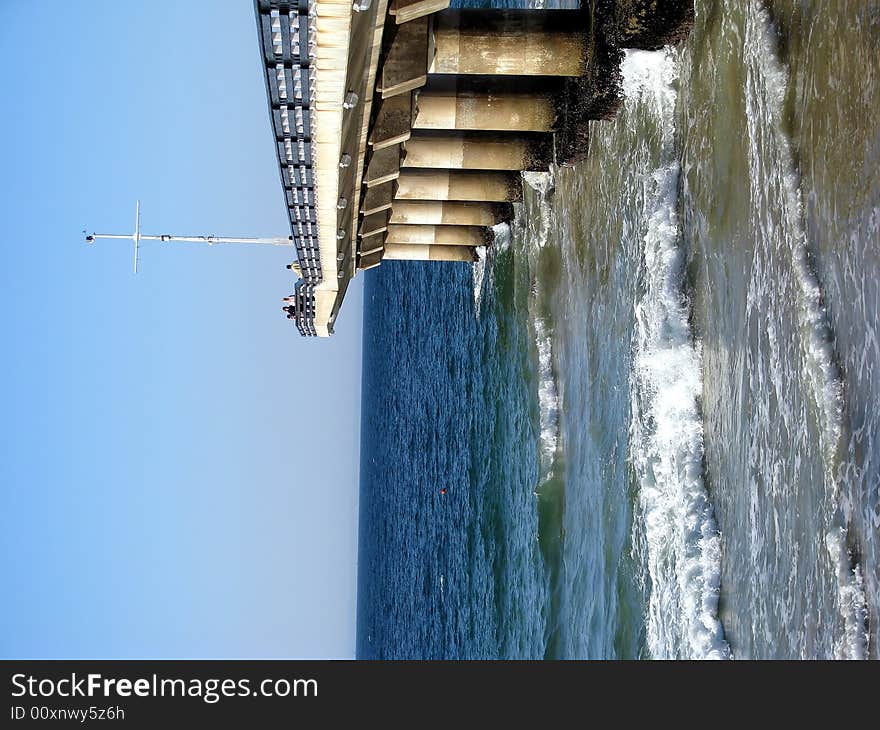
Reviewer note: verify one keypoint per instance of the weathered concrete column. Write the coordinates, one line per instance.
(407, 252)
(493, 186)
(439, 235)
(515, 42)
(463, 151)
(445, 109)
(437, 212)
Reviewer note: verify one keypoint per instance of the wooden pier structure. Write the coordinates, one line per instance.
(402, 126)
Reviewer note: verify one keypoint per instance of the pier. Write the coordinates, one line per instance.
(402, 126)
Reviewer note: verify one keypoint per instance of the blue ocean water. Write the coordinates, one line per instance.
(449, 404)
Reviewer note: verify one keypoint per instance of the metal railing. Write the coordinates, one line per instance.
(286, 36)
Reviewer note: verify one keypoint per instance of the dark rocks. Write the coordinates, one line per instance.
(598, 94)
(651, 24)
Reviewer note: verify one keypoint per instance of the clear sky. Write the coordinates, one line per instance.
(169, 488)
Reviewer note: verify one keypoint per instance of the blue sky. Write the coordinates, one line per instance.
(169, 488)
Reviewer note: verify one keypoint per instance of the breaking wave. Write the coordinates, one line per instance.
(537, 233)
(676, 535)
(768, 78)
(852, 601)
(478, 274)
(548, 395)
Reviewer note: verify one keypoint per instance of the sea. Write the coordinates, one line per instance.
(646, 423)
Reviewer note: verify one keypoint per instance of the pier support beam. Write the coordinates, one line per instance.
(406, 60)
(383, 166)
(493, 187)
(478, 151)
(445, 109)
(515, 42)
(377, 198)
(372, 245)
(406, 252)
(368, 261)
(436, 212)
(393, 122)
(404, 11)
(439, 235)
(374, 223)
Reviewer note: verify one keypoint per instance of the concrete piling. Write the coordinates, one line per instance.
(500, 187)
(446, 212)
(422, 252)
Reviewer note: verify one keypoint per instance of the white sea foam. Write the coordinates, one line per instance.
(501, 232)
(678, 539)
(852, 601)
(482, 267)
(537, 234)
(541, 182)
(767, 110)
(548, 395)
(478, 274)
(768, 81)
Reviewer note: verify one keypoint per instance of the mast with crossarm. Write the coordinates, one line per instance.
(137, 237)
